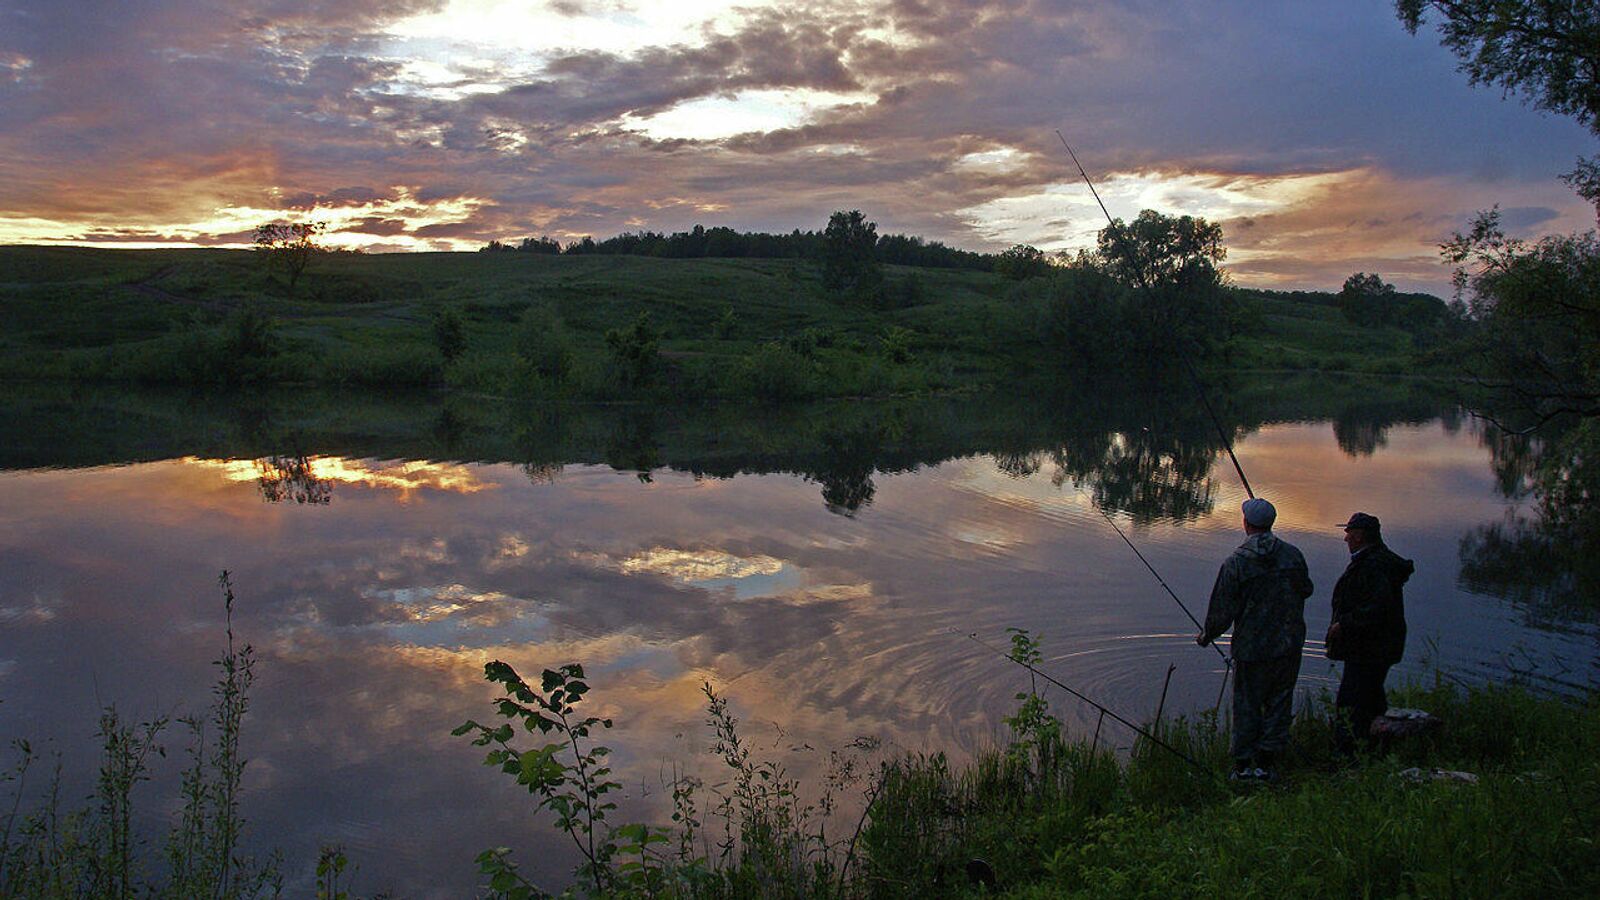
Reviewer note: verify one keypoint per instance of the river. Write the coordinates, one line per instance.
(821, 568)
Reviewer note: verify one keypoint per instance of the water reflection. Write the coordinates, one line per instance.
(1544, 557)
(374, 614)
(310, 479)
(290, 478)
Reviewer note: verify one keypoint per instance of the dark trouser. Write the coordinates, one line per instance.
(1263, 705)
(1361, 699)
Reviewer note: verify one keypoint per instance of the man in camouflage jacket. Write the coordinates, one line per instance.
(1368, 630)
(1261, 593)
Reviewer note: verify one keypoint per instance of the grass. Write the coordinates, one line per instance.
(1076, 823)
(49, 852)
(168, 316)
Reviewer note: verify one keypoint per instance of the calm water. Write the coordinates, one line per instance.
(820, 569)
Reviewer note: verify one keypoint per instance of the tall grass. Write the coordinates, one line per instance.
(49, 852)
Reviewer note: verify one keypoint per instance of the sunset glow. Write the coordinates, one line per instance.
(1323, 144)
(403, 478)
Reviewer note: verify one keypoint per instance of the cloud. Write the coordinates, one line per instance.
(594, 118)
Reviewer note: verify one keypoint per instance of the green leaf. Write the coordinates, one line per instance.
(464, 727)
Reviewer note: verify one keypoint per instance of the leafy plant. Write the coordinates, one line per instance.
(635, 350)
(569, 775)
(1035, 730)
(449, 332)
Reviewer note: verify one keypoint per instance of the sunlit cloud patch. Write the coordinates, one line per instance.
(745, 112)
(402, 215)
(745, 576)
(612, 26)
(1065, 216)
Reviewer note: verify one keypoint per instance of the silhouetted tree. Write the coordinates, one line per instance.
(848, 262)
(543, 344)
(1156, 249)
(1369, 301)
(1021, 262)
(546, 245)
(289, 246)
(1546, 50)
(635, 350)
(1362, 298)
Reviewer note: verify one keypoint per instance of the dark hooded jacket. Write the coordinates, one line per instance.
(1369, 607)
(1261, 591)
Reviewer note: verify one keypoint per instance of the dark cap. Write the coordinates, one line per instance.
(1361, 520)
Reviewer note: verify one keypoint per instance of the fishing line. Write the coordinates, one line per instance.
(1163, 582)
(1104, 710)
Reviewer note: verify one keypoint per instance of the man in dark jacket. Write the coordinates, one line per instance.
(1261, 592)
(1368, 631)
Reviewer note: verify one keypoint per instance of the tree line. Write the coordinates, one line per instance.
(722, 242)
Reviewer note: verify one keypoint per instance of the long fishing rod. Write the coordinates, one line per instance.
(1104, 710)
(1188, 365)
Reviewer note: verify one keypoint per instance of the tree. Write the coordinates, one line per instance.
(1362, 298)
(1538, 308)
(543, 344)
(289, 246)
(1546, 50)
(449, 333)
(1022, 262)
(1157, 250)
(1180, 309)
(848, 262)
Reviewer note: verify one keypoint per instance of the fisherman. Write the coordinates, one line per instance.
(1261, 592)
(1368, 630)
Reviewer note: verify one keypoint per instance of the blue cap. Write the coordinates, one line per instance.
(1259, 512)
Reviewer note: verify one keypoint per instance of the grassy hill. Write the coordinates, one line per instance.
(762, 327)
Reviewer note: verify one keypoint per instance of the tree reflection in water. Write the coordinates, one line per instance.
(1548, 564)
(292, 478)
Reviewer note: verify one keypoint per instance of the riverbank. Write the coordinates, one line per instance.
(587, 327)
(1082, 827)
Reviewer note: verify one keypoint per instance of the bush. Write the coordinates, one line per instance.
(635, 351)
(386, 365)
(777, 373)
(449, 332)
(543, 345)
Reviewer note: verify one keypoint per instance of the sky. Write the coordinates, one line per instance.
(1323, 137)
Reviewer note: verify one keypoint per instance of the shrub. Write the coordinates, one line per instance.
(635, 351)
(777, 373)
(449, 332)
(543, 345)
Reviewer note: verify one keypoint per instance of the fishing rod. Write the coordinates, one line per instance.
(1104, 710)
(1188, 365)
(1162, 581)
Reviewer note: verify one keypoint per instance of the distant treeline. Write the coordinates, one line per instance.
(723, 242)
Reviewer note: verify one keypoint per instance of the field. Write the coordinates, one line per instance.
(531, 324)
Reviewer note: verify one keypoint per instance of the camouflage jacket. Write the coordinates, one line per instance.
(1261, 592)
